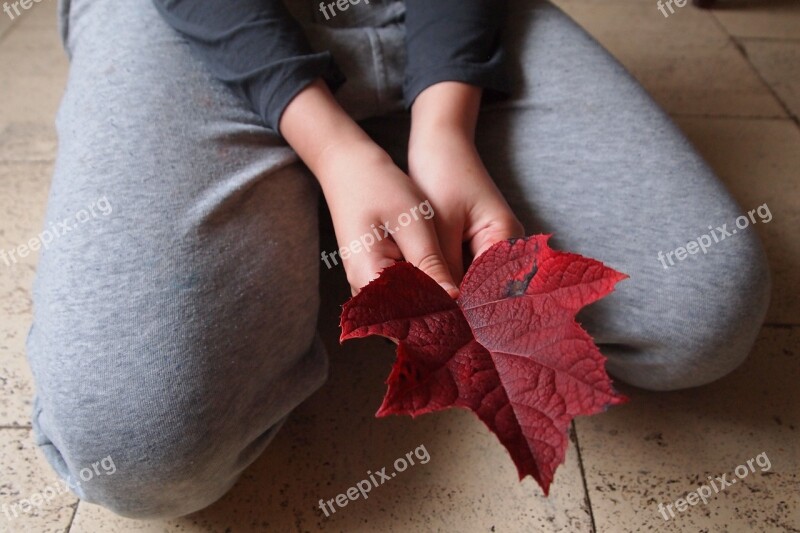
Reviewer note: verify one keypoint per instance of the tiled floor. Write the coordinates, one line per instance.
(731, 79)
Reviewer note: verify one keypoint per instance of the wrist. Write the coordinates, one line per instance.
(441, 151)
(319, 130)
(446, 109)
(345, 164)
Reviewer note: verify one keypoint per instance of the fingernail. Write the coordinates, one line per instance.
(451, 289)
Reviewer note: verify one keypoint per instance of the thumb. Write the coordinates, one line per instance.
(495, 232)
(436, 267)
(420, 245)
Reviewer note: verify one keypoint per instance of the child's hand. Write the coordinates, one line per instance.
(378, 206)
(366, 193)
(445, 165)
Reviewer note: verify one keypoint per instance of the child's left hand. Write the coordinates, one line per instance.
(446, 166)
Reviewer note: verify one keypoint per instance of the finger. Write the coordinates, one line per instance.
(420, 246)
(450, 237)
(364, 273)
(496, 231)
(365, 266)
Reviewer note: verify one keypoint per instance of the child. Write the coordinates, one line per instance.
(176, 334)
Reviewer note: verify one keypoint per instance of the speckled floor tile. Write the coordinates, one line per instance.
(661, 446)
(468, 484)
(23, 191)
(34, 68)
(27, 141)
(42, 14)
(778, 63)
(686, 62)
(760, 18)
(759, 160)
(27, 476)
(5, 24)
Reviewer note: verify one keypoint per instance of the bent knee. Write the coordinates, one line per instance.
(140, 468)
(149, 440)
(155, 492)
(709, 325)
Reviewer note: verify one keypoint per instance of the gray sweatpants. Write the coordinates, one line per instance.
(174, 327)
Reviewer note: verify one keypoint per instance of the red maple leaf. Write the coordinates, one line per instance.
(509, 348)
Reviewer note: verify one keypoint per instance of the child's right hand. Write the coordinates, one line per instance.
(365, 191)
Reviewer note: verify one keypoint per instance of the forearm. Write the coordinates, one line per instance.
(445, 115)
(326, 138)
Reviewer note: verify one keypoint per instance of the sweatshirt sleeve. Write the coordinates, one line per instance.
(455, 40)
(255, 46)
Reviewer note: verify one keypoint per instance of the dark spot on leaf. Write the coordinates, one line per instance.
(517, 287)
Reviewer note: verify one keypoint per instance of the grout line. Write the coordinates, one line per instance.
(72, 518)
(587, 499)
(6, 32)
(15, 427)
(768, 39)
(730, 117)
(743, 51)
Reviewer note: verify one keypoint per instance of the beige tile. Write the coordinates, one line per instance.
(91, 518)
(685, 61)
(759, 18)
(23, 195)
(34, 48)
(329, 444)
(27, 141)
(27, 476)
(759, 160)
(6, 23)
(660, 446)
(35, 11)
(16, 382)
(23, 190)
(42, 14)
(778, 63)
(33, 68)
(29, 64)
